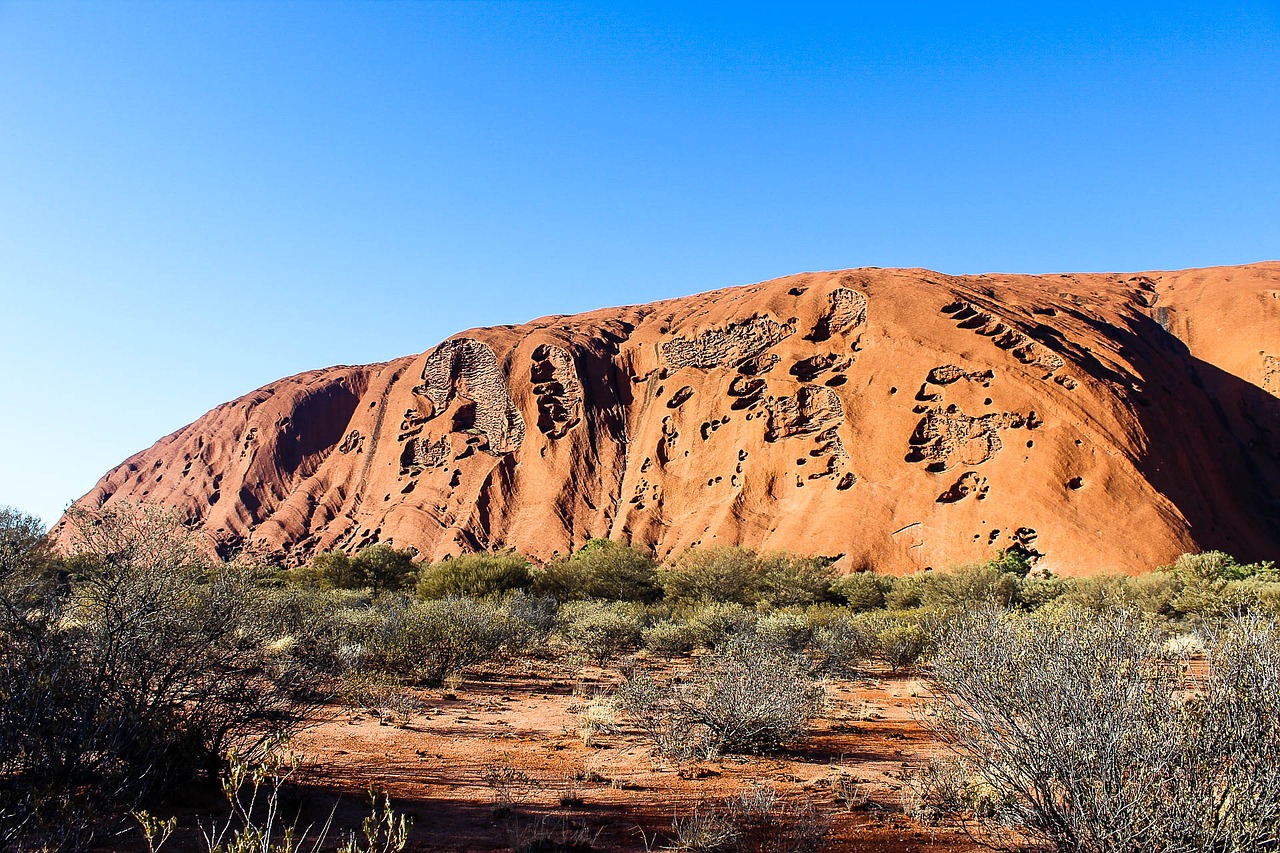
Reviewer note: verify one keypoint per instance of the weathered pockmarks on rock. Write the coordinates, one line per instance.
(679, 398)
(846, 310)
(1145, 293)
(1271, 374)
(352, 443)
(1005, 336)
(948, 373)
(970, 483)
(809, 369)
(814, 411)
(644, 493)
(747, 392)
(466, 368)
(557, 390)
(946, 437)
(726, 346)
(667, 444)
(759, 364)
(418, 455)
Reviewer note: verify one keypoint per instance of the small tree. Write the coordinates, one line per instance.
(603, 568)
(720, 574)
(474, 575)
(788, 580)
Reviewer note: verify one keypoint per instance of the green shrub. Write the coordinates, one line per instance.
(673, 637)
(968, 586)
(717, 622)
(787, 580)
(861, 591)
(474, 575)
(603, 569)
(429, 640)
(785, 630)
(380, 568)
(718, 574)
(898, 639)
(602, 629)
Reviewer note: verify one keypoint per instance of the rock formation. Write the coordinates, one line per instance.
(902, 419)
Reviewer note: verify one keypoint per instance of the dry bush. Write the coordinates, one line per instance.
(508, 785)
(746, 697)
(1076, 730)
(843, 646)
(256, 822)
(758, 820)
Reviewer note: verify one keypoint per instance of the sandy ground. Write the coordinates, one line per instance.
(613, 791)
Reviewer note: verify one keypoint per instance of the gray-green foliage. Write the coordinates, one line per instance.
(1082, 728)
(601, 630)
(474, 575)
(429, 640)
(740, 576)
(137, 663)
(747, 696)
(604, 569)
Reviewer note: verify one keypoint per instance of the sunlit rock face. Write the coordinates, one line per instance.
(900, 419)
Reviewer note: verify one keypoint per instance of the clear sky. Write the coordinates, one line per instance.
(199, 198)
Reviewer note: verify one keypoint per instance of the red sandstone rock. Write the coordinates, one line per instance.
(900, 418)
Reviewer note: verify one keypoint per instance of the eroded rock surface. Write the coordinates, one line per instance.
(901, 418)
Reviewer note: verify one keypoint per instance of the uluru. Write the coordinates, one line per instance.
(895, 419)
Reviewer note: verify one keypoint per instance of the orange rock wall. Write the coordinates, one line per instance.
(900, 418)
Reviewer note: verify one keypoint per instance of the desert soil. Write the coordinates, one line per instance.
(434, 767)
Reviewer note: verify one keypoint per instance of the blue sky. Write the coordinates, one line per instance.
(198, 198)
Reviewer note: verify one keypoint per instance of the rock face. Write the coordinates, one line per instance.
(901, 418)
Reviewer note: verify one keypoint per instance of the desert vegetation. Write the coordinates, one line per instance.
(1117, 712)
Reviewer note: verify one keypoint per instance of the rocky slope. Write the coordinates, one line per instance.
(900, 418)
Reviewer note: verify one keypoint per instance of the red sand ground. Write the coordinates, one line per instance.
(434, 769)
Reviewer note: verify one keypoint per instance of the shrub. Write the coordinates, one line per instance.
(673, 637)
(718, 622)
(602, 629)
(533, 617)
(1083, 735)
(720, 574)
(968, 586)
(474, 575)
(843, 645)
(757, 820)
(137, 668)
(379, 568)
(898, 639)
(602, 569)
(861, 591)
(429, 640)
(254, 794)
(748, 696)
(787, 580)
(785, 630)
